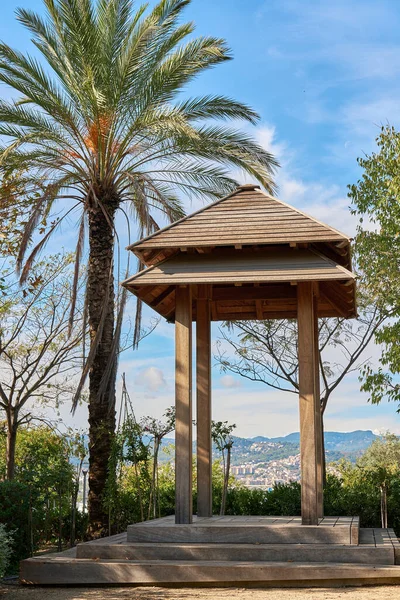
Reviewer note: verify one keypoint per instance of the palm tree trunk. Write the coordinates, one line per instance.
(101, 318)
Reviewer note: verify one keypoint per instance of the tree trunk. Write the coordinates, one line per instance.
(226, 480)
(101, 316)
(12, 427)
(60, 520)
(74, 500)
(323, 449)
(384, 518)
(155, 477)
(139, 489)
(153, 491)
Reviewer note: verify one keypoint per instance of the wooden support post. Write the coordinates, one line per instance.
(307, 393)
(183, 405)
(318, 417)
(203, 381)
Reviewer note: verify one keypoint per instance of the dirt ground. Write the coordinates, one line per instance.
(14, 592)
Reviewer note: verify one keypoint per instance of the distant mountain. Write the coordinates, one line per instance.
(337, 445)
(261, 449)
(334, 440)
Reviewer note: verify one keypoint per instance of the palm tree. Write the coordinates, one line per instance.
(101, 124)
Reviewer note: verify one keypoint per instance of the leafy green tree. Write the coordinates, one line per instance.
(43, 465)
(381, 463)
(129, 459)
(351, 492)
(221, 433)
(157, 429)
(77, 452)
(376, 200)
(100, 124)
(39, 349)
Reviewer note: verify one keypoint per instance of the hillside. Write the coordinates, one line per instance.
(262, 461)
(263, 449)
(337, 445)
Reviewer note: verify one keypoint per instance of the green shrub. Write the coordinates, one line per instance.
(14, 515)
(6, 545)
(283, 499)
(81, 525)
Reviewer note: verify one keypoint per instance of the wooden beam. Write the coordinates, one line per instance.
(259, 310)
(341, 300)
(307, 398)
(214, 312)
(318, 415)
(203, 385)
(251, 316)
(157, 301)
(183, 405)
(260, 292)
(339, 310)
(205, 250)
(160, 254)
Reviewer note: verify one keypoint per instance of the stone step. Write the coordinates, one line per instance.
(327, 553)
(61, 571)
(247, 530)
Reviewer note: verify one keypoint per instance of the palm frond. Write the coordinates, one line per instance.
(217, 107)
(30, 260)
(100, 121)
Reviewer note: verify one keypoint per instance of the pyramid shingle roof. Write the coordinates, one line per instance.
(246, 217)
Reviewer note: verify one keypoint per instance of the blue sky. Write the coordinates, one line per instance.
(324, 76)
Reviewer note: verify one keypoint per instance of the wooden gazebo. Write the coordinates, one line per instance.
(246, 256)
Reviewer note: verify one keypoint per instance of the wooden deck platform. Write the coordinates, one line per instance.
(247, 530)
(115, 560)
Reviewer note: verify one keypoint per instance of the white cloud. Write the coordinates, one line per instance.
(152, 379)
(266, 137)
(326, 202)
(258, 410)
(291, 188)
(262, 411)
(228, 381)
(364, 119)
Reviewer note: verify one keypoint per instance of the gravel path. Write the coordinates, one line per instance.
(14, 592)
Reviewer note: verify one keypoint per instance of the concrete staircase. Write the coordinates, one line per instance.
(374, 558)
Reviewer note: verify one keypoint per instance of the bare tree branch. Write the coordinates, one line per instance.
(266, 351)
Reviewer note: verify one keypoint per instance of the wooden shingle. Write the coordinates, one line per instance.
(247, 217)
